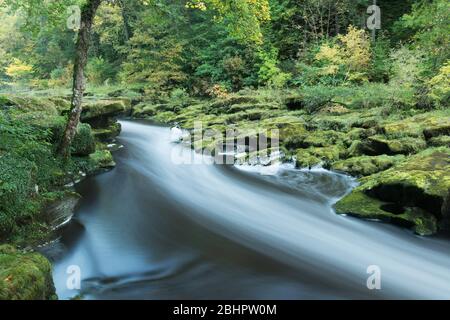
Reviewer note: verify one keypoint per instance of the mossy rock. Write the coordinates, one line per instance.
(406, 145)
(102, 159)
(379, 145)
(419, 184)
(441, 141)
(358, 204)
(102, 109)
(144, 110)
(325, 156)
(83, 143)
(29, 104)
(107, 134)
(25, 276)
(224, 104)
(430, 124)
(323, 138)
(366, 165)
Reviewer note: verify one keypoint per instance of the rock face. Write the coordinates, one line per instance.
(25, 276)
(60, 211)
(101, 115)
(414, 192)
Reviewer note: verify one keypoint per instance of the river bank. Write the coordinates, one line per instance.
(37, 194)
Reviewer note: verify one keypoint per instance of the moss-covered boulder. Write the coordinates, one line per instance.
(358, 204)
(441, 141)
(102, 159)
(109, 133)
(366, 165)
(83, 143)
(325, 156)
(430, 124)
(379, 145)
(102, 109)
(418, 186)
(24, 276)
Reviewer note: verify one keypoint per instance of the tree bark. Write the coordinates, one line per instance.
(79, 82)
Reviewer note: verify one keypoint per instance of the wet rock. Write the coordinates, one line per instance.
(60, 211)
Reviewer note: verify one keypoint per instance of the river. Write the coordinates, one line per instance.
(155, 229)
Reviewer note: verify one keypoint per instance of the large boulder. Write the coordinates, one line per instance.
(102, 109)
(25, 276)
(415, 191)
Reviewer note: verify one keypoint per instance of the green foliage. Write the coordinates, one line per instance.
(99, 70)
(429, 26)
(439, 86)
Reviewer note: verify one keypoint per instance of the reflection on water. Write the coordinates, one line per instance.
(151, 229)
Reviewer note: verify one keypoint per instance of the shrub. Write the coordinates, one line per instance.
(439, 86)
(348, 59)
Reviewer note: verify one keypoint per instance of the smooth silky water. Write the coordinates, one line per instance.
(155, 229)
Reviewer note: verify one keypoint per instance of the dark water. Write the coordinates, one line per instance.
(154, 229)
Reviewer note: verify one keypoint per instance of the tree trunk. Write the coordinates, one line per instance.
(79, 83)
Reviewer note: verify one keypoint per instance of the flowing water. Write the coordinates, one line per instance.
(155, 229)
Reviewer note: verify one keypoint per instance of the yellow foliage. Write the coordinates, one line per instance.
(440, 85)
(352, 54)
(355, 49)
(18, 69)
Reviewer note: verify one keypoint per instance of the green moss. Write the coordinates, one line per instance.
(366, 165)
(418, 188)
(102, 108)
(432, 123)
(441, 141)
(306, 158)
(24, 276)
(358, 204)
(109, 133)
(406, 145)
(83, 143)
(102, 159)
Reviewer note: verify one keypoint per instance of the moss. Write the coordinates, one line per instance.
(321, 138)
(430, 123)
(24, 276)
(102, 108)
(30, 104)
(358, 204)
(406, 145)
(307, 158)
(102, 159)
(109, 133)
(366, 165)
(83, 143)
(418, 187)
(441, 141)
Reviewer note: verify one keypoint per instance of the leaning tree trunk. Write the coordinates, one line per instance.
(79, 83)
